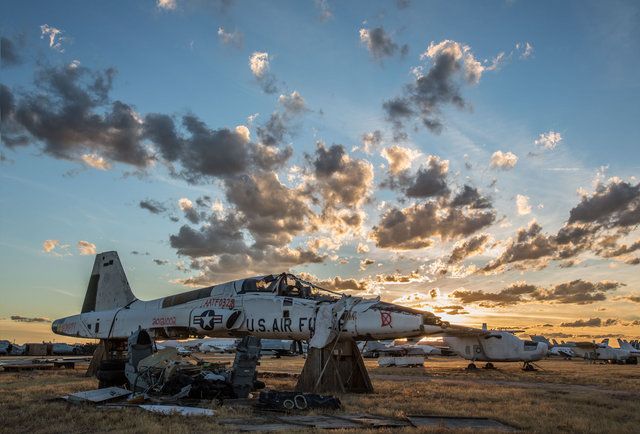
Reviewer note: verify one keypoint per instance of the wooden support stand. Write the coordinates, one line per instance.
(98, 355)
(106, 349)
(336, 368)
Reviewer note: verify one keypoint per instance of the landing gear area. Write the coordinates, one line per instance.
(529, 367)
(489, 366)
(472, 367)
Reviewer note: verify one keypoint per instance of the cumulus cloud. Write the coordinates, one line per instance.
(429, 180)
(450, 310)
(205, 153)
(380, 44)
(49, 245)
(259, 65)
(574, 292)
(253, 235)
(529, 248)
(86, 248)
(400, 279)
(371, 141)
(278, 127)
(440, 215)
(413, 227)
(70, 114)
(522, 204)
(548, 140)
(235, 38)
(591, 322)
(469, 247)
(264, 215)
(413, 299)
(189, 211)
(153, 206)
(220, 235)
(364, 263)
(595, 224)
(616, 204)
(338, 283)
(272, 212)
(54, 36)
(399, 158)
(20, 318)
(167, 5)
(452, 65)
(362, 248)
(95, 161)
(343, 184)
(470, 196)
(503, 160)
(294, 104)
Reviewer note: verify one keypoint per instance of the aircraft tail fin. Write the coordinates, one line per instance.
(108, 286)
(625, 345)
(540, 338)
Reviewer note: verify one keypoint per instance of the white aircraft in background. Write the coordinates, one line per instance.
(555, 349)
(602, 351)
(633, 352)
(373, 349)
(281, 347)
(562, 351)
(221, 345)
(495, 346)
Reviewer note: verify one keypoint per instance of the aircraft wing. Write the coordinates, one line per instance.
(461, 331)
(588, 345)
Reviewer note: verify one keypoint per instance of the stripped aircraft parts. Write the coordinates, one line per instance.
(166, 373)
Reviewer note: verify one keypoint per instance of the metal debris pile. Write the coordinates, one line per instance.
(167, 374)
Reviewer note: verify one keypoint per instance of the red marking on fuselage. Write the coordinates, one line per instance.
(164, 321)
(224, 303)
(385, 318)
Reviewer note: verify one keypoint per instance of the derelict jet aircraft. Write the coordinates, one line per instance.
(602, 351)
(272, 307)
(495, 346)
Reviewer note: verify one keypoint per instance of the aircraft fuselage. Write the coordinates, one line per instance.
(241, 307)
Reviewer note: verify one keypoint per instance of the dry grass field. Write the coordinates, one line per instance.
(565, 396)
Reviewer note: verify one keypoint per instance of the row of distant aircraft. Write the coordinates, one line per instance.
(627, 352)
(286, 307)
(275, 347)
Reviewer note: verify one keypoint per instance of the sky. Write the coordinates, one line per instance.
(477, 160)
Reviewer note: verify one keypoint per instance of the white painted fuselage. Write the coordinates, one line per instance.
(238, 308)
(496, 347)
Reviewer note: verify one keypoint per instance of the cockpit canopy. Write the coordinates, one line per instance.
(286, 285)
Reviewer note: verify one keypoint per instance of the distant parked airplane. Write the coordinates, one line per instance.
(495, 346)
